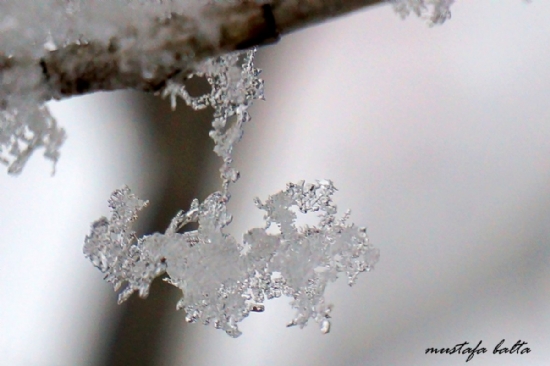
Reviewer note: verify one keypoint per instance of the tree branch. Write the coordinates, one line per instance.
(145, 57)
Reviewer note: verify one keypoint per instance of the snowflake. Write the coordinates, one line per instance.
(223, 280)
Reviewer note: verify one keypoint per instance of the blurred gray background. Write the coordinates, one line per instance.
(437, 138)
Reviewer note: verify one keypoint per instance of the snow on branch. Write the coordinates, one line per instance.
(83, 46)
(145, 55)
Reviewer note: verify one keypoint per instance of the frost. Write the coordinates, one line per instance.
(434, 11)
(23, 130)
(223, 280)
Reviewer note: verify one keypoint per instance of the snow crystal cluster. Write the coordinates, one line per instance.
(223, 280)
(434, 11)
(25, 129)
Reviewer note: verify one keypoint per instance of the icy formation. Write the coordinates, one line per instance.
(233, 89)
(223, 280)
(22, 130)
(434, 11)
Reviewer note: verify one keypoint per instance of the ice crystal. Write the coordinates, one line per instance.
(223, 280)
(23, 130)
(434, 11)
(233, 89)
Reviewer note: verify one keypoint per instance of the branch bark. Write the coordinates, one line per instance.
(145, 57)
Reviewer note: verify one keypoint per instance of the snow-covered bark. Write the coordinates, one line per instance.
(54, 49)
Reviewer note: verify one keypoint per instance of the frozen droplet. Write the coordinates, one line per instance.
(50, 45)
(325, 326)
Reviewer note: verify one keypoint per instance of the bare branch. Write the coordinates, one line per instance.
(145, 57)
